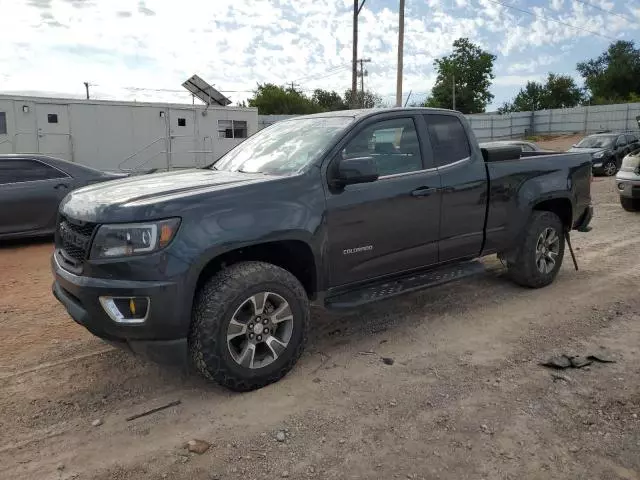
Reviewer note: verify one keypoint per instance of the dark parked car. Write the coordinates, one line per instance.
(32, 187)
(607, 150)
(523, 144)
(219, 265)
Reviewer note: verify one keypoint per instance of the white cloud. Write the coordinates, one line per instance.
(557, 4)
(55, 45)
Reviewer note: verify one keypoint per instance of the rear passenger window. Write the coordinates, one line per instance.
(631, 138)
(448, 139)
(26, 170)
(393, 144)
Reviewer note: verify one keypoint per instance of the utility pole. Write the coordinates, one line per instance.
(362, 73)
(454, 91)
(354, 60)
(86, 87)
(400, 54)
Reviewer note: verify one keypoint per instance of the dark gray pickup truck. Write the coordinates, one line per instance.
(219, 265)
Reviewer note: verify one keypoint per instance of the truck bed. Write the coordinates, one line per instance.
(561, 176)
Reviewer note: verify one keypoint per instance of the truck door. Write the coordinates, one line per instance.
(392, 224)
(464, 187)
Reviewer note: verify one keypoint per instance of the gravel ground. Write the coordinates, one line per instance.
(465, 397)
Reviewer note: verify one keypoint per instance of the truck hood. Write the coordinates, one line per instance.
(94, 201)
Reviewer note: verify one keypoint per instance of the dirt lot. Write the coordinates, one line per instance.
(464, 399)
(560, 143)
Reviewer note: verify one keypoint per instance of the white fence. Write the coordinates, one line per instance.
(492, 126)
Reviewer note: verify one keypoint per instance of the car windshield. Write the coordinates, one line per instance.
(596, 142)
(284, 148)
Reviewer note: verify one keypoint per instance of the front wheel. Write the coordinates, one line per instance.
(630, 204)
(610, 168)
(538, 259)
(249, 325)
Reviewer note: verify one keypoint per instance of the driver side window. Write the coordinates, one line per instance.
(393, 144)
(622, 141)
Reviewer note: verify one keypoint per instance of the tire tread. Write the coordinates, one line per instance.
(523, 270)
(208, 313)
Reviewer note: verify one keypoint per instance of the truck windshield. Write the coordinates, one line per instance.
(283, 148)
(595, 142)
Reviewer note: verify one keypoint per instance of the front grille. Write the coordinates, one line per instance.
(74, 238)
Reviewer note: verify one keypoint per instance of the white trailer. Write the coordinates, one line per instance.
(127, 136)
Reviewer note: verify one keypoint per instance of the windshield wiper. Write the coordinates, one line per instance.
(255, 173)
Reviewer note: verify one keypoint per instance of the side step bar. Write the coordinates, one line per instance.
(407, 283)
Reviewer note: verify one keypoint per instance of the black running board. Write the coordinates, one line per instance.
(407, 283)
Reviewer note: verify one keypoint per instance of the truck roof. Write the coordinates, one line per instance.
(365, 112)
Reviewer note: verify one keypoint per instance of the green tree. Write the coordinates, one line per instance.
(614, 76)
(272, 99)
(559, 91)
(368, 99)
(472, 69)
(328, 100)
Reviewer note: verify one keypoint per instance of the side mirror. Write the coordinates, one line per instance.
(356, 170)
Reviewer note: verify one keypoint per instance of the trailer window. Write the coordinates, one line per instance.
(182, 122)
(3, 123)
(232, 129)
(52, 118)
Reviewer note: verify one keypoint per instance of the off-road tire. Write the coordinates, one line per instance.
(630, 204)
(214, 306)
(523, 270)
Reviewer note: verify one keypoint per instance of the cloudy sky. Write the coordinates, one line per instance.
(144, 50)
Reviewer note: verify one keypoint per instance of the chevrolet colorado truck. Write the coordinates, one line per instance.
(216, 267)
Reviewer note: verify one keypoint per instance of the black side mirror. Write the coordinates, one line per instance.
(356, 170)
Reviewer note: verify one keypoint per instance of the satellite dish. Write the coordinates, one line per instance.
(205, 92)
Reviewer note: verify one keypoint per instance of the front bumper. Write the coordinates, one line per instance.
(162, 337)
(628, 188)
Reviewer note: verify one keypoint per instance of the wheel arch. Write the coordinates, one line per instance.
(294, 255)
(561, 206)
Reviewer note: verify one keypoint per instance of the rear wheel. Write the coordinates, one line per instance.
(249, 325)
(610, 168)
(538, 259)
(630, 204)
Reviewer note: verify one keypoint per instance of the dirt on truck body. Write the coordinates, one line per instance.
(464, 397)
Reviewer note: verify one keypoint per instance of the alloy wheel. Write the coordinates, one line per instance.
(547, 250)
(260, 330)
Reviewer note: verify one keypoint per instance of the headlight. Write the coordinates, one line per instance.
(598, 154)
(631, 163)
(126, 239)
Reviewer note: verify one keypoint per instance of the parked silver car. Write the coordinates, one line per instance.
(628, 182)
(31, 188)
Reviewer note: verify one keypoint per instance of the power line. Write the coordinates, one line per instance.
(542, 17)
(610, 12)
(330, 71)
(343, 68)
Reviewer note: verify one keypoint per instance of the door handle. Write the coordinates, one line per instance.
(60, 185)
(422, 192)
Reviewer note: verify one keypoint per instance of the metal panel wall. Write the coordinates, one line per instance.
(121, 135)
(492, 126)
